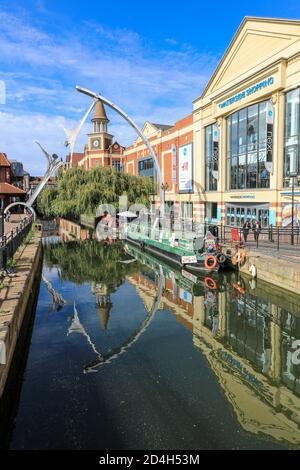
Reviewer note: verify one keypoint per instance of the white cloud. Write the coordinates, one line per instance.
(40, 71)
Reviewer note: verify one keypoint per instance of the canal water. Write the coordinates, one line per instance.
(127, 353)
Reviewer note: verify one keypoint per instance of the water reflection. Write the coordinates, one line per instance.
(247, 340)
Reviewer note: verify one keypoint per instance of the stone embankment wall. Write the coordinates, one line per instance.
(280, 272)
(15, 293)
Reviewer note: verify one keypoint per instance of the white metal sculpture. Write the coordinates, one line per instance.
(73, 133)
(53, 165)
(111, 105)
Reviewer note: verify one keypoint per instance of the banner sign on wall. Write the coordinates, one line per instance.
(215, 156)
(269, 121)
(186, 168)
(174, 164)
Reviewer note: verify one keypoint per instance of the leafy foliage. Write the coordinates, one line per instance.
(81, 191)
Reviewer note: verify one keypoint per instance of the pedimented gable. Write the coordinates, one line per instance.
(148, 129)
(257, 43)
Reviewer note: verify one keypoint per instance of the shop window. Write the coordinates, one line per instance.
(238, 215)
(292, 136)
(211, 157)
(187, 210)
(146, 168)
(247, 158)
(116, 164)
(214, 210)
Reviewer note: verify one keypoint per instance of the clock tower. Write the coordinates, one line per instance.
(100, 150)
(99, 139)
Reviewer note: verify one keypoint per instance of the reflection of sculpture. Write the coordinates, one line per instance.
(77, 327)
(57, 299)
(116, 352)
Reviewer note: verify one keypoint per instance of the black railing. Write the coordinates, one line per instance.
(11, 241)
(272, 236)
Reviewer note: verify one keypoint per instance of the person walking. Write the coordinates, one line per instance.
(246, 229)
(256, 227)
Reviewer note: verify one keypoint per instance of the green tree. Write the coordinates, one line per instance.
(80, 191)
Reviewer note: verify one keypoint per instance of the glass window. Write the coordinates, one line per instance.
(214, 210)
(211, 157)
(252, 127)
(187, 210)
(246, 148)
(292, 134)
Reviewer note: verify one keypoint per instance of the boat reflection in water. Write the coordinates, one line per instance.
(246, 332)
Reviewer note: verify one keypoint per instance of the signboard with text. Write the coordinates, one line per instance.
(174, 164)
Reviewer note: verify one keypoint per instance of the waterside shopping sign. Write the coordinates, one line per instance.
(247, 92)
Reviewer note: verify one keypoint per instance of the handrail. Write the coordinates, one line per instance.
(11, 241)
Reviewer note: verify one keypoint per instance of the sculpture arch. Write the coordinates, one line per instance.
(7, 208)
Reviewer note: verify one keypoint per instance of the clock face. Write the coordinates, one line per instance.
(96, 143)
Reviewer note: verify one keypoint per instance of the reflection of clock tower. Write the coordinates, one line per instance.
(99, 139)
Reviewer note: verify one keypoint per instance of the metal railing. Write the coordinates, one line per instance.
(11, 241)
(271, 236)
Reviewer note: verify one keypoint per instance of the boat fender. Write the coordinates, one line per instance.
(221, 258)
(252, 270)
(210, 262)
(238, 258)
(142, 245)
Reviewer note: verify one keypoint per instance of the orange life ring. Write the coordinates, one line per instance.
(239, 257)
(207, 260)
(210, 283)
(240, 289)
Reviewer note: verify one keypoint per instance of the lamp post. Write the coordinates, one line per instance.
(2, 223)
(293, 176)
(164, 187)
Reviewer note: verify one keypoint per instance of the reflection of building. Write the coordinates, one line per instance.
(247, 341)
(70, 230)
(103, 301)
(100, 150)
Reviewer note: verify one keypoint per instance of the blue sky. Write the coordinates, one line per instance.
(151, 58)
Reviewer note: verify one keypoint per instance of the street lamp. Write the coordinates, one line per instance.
(1, 222)
(164, 188)
(293, 176)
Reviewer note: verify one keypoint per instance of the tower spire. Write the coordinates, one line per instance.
(99, 118)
